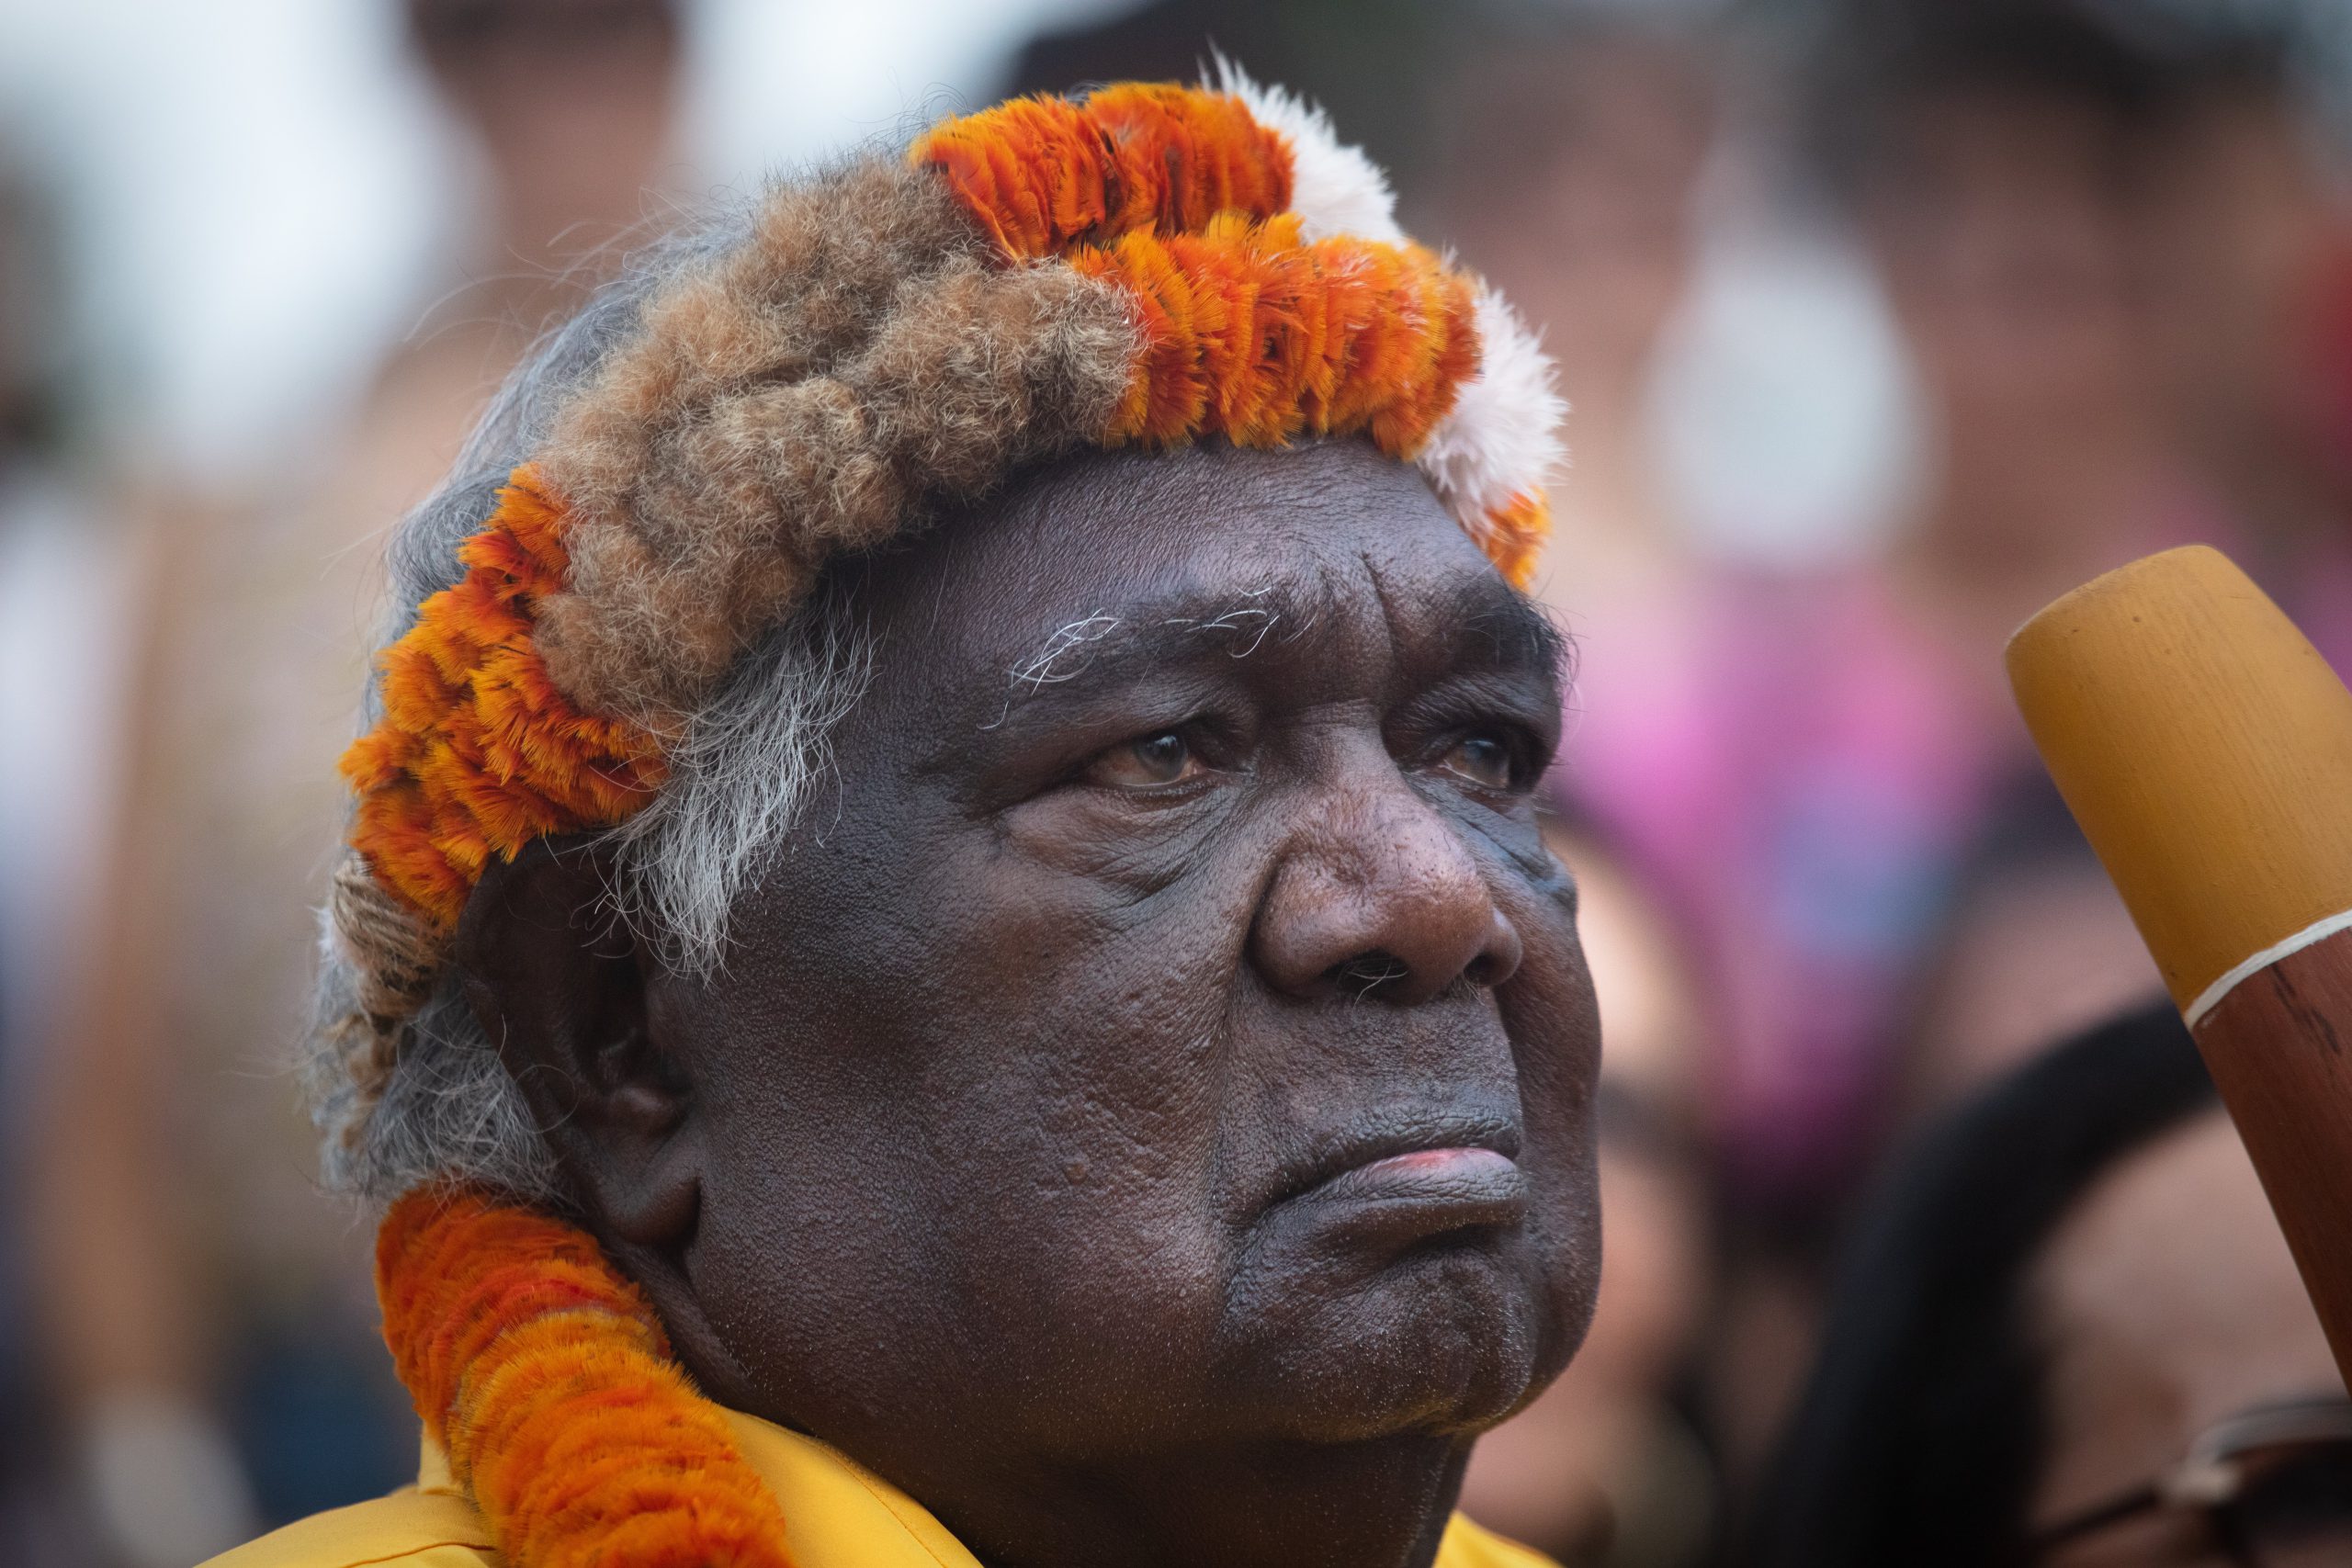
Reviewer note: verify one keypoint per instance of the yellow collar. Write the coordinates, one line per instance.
(838, 1514)
(837, 1511)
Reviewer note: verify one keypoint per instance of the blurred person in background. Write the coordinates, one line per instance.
(1805, 770)
(2070, 1334)
(2241, 247)
(2034, 946)
(1856, 728)
(208, 1315)
(2249, 240)
(61, 604)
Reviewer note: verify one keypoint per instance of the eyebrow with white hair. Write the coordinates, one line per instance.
(1158, 629)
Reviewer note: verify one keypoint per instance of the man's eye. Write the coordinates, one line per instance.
(1145, 763)
(1484, 760)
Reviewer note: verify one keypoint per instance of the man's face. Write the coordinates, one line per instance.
(1170, 1030)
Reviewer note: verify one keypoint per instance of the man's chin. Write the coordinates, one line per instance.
(1450, 1335)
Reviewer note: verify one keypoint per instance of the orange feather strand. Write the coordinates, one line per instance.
(1513, 536)
(548, 1379)
(477, 753)
(1043, 174)
(1252, 335)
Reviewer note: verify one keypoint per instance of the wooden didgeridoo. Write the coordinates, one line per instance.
(2206, 748)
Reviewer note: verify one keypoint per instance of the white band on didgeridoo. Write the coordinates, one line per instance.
(2254, 963)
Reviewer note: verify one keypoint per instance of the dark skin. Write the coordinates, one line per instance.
(1147, 1112)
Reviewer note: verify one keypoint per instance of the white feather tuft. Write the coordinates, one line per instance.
(1501, 439)
(1335, 189)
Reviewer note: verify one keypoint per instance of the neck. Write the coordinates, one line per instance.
(1373, 1505)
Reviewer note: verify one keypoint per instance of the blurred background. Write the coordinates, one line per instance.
(1884, 322)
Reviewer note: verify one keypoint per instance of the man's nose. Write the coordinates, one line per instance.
(1377, 896)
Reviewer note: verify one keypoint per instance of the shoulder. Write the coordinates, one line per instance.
(1468, 1546)
(410, 1529)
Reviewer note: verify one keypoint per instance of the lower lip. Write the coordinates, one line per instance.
(1479, 1186)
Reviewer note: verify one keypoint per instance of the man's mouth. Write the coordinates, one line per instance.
(1455, 1168)
(1443, 1179)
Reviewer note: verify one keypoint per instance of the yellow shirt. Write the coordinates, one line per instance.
(837, 1515)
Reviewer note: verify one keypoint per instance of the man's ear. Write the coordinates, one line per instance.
(563, 993)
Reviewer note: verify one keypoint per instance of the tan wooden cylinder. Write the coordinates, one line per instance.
(2206, 750)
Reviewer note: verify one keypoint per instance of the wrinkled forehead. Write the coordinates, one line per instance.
(1334, 538)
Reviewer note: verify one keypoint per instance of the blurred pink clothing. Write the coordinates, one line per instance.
(1800, 787)
(1802, 775)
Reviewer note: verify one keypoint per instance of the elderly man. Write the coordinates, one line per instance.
(946, 956)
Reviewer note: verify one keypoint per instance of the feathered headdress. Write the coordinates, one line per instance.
(1148, 265)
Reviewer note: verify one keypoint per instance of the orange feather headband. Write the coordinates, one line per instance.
(1151, 264)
